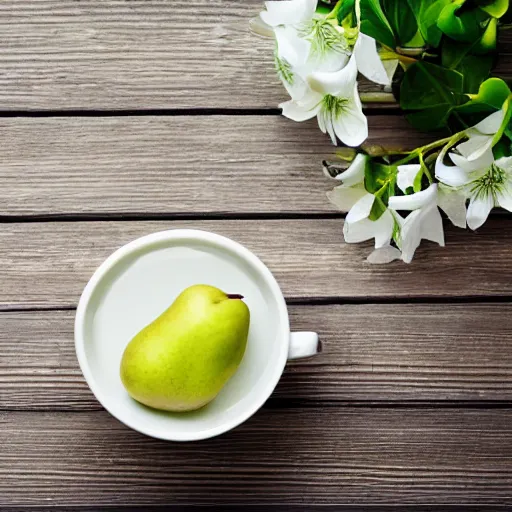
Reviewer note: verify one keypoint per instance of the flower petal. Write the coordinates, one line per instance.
(368, 60)
(344, 198)
(361, 231)
(330, 62)
(490, 125)
(482, 162)
(453, 203)
(289, 12)
(406, 175)
(475, 147)
(505, 163)
(432, 226)
(355, 173)
(478, 210)
(414, 201)
(384, 255)
(504, 198)
(297, 112)
(259, 27)
(340, 83)
(290, 47)
(351, 126)
(329, 127)
(384, 229)
(411, 236)
(361, 210)
(450, 175)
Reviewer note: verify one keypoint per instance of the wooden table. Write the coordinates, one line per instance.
(120, 118)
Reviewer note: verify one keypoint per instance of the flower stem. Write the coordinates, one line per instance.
(377, 97)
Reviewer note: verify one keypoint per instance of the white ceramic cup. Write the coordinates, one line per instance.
(138, 282)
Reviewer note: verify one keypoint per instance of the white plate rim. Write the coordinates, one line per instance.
(175, 235)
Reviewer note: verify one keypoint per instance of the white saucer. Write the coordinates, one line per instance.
(139, 282)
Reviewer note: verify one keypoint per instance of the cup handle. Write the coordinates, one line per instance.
(303, 344)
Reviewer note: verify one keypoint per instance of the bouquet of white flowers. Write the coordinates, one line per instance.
(436, 56)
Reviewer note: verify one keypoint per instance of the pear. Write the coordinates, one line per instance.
(182, 360)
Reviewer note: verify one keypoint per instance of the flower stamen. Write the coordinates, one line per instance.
(491, 183)
(325, 37)
(283, 69)
(334, 105)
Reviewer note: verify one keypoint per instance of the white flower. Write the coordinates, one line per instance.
(333, 97)
(369, 62)
(486, 182)
(424, 221)
(447, 199)
(407, 175)
(307, 41)
(480, 137)
(358, 227)
(290, 12)
(315, 41)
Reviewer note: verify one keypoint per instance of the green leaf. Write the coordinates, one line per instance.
(346, 9)
(489, 40)
(434, 92)
(378, 209)
(502, 148)
(496, 8)
(475, 69)
(429, 11)
(465, 27)
(427, 85)
(491, 96)
(323, 8)
(377, 175)
(375, 24)
(430, 119)
(402, 20)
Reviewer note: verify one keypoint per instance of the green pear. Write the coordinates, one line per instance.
(182, 360)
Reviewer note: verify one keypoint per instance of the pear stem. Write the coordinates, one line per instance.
(234, 296)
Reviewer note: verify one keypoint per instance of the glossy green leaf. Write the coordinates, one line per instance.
(502, 148)
(377, 176)
(427, 85)
(375, 24)
(346, 9)
(475, 69)
(430, 119)
(433, 92)
(323, 8)
(378, 209)
(429, 11)
(489, 41)
(464, 26)
(401, 18)
(491, 96)
(496, 8)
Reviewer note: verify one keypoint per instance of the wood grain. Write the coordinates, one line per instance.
(48, 264)
(114, 54)
(172, 164)
(385, 353)
(311, 456)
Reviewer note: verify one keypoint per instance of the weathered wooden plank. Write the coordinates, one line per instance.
(308, 456)
(114, 54)
(385, 353)
(48, 264)
(171, 164)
